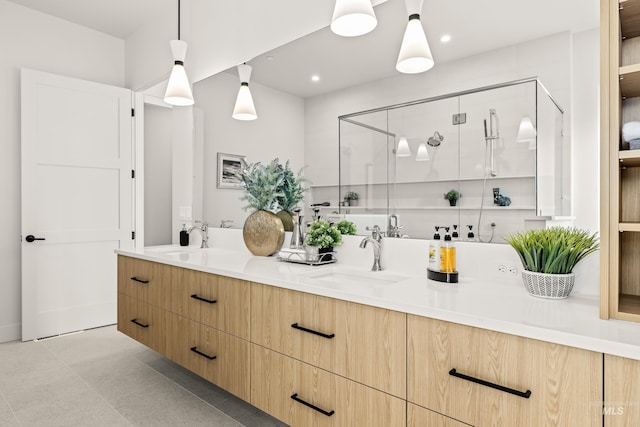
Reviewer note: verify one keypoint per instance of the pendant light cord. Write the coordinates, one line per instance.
(178, 19)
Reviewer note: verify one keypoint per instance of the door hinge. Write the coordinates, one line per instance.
(133, 112)
(133, 235)
(133, 174)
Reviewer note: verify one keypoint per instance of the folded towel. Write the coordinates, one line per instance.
(631, 130)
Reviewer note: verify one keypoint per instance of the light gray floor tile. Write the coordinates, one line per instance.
(168, 404)
(117, 375)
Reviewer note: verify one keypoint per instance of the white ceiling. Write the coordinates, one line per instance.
(475, 26)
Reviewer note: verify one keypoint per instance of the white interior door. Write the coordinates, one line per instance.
(76, 198)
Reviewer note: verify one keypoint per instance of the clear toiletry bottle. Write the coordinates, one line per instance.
(184, 236)
(470, 236)
(454, 234)
(434, 251)
(447, 254)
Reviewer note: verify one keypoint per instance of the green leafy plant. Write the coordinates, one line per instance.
(452, 194)
(346, 227)
(323, 235)
(292, 191)
(351, 195)
(262, 185)
(554, 250)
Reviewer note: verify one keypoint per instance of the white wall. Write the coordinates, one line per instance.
(278, 132)
(34, 40)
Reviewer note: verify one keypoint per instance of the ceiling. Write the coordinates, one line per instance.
(475, 26)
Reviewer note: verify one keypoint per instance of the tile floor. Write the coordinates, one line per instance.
(103, 378)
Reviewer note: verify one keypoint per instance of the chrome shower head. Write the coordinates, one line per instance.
(435, 140)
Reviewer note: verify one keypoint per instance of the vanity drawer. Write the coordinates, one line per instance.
(142, 322)
(565, 383)
(323, 398)
(217, 301)
(418, 416)
(145, 280)
(214, 355)
(363, 343)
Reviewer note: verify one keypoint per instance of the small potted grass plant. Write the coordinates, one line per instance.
(322, 236)
(548, 257)
(452, 196)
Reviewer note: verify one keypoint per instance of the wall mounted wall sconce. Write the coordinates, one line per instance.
(403, 149)
(415, 55)
(178, 89)
(353, 18)
(244, 108)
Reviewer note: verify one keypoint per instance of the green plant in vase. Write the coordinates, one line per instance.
(321, 238)
(290, 194)
(346, 227)
(548, 257)
(352, 198)
(263, 231)
(452, 196)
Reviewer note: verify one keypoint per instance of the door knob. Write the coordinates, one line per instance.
(30, 238)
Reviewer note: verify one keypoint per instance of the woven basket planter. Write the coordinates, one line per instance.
(551, 286)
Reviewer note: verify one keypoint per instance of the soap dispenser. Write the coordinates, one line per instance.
(470, 236)
(184, 236)
(434, 251)
(454, 234)
(447, 254)
(297, 238)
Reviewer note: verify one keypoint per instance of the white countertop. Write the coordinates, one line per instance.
(483, 303)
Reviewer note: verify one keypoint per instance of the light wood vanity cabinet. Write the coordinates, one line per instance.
(304, 395)
(542, 384)
(417, 416)
(207, 335)
(621, 392)
(362, 343)
(217, 301)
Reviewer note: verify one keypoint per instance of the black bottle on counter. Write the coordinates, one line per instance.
(184, 236)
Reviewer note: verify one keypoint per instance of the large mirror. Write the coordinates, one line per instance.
(298, 118)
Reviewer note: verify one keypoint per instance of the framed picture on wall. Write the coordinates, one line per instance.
(229, 167)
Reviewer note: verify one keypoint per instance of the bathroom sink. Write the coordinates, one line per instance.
(351, 279)
(173, 250)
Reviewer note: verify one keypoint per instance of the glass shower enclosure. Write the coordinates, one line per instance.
(500, 147)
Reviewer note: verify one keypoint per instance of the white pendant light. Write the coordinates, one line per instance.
(526, 132)
(415, 55)
(353, 18)
(423, 154)
(403, 149)
(244, 109)
(178, 89)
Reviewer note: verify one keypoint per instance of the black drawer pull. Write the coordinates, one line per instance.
(135, 279)
(295, 397)
(195, 350)
(311, 331)
(525, 394)
(144, 325)
(210, 301)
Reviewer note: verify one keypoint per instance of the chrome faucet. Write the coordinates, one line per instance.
(226, 223)
(393, 229)
(376, 242)
(204, 232)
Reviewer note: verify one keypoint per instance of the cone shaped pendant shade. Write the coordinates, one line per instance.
(526, 132)
(403, 148)
(415, 55)
(244, 108)
(178, 89)
(423, 154)
(353, 18)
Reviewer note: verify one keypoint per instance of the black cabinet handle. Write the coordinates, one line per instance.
(195, 350)
(144, 325)
(525, 394)
(31, 238)
(135, 279)
(311, 331)
(210, 301)
(295, 397)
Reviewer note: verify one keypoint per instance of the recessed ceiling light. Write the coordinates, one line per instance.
(315, 78)
(446, 38)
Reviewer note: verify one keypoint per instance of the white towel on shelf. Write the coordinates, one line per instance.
(630, 130)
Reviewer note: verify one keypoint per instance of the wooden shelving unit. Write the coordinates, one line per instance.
(620, 167)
